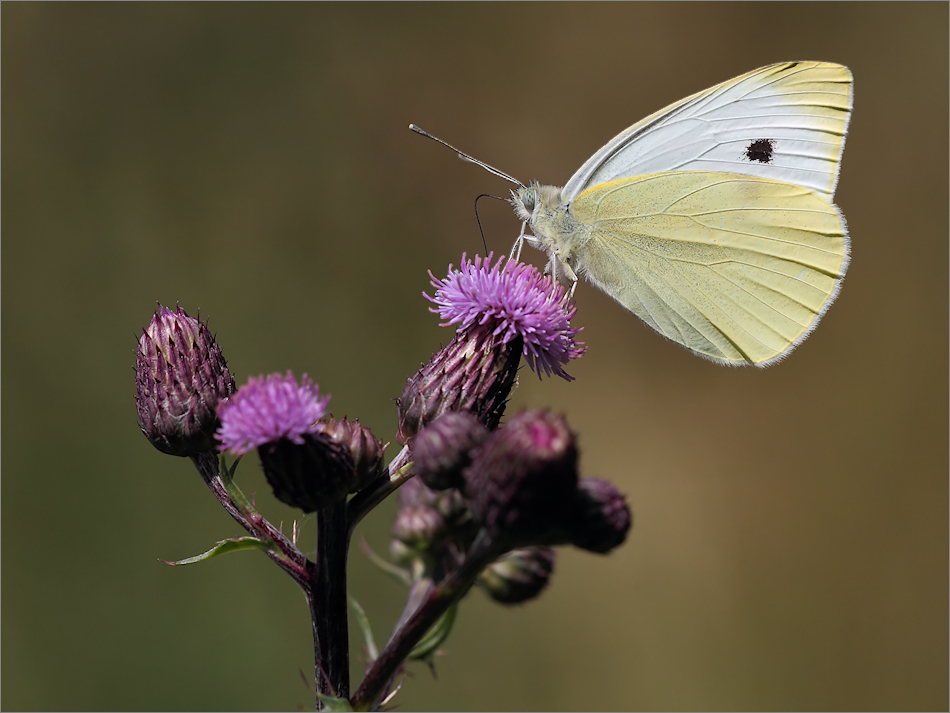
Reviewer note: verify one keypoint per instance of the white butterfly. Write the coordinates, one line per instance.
(712, 220)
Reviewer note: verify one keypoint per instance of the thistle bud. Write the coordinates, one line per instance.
(602, 517)
(414, 492)
(180, 376)
(418, 520)
(431, 519)
(365, 448)
(418, 527)
(402, 554)
(444, 448)
(523, 480)
(519, 575)
(453, 506)
(472, 373)
(306, 468)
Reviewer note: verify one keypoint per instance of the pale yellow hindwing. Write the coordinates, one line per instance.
(736, 268)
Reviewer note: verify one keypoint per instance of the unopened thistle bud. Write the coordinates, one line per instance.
(444, 448)
(519, 575)
(523, 480)
(180, 376)
(428, 518)
(402, 554)
(602, 517)
(418, 527)
(306, 468)
(366, 449)
(418, 520)
(502, 312)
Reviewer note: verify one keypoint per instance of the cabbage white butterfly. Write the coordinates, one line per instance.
(712, 220)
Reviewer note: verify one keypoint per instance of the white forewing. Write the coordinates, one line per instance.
(785, 122)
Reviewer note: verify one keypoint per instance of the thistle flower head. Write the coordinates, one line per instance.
(443, 449)
(511, 300)
(418, 527)
(366, 449)
(523, 480)
(306, 467)
(602, 517)
(438, 522)
(269, 409)
(180, 376)
(448, 503)
(519, 575)
(474, 373)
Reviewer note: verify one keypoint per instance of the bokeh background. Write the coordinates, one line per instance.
(252, 161)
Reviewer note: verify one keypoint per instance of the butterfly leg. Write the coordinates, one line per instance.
(516, 248)
(570, 274)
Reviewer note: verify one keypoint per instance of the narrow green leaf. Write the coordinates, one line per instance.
(222, 548)
(436, 636)
(363, 621)
(397, 573)
(226, 472)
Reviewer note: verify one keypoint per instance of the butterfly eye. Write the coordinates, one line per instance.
(527, 199)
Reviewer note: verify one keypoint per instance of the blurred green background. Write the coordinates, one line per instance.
(253, 161)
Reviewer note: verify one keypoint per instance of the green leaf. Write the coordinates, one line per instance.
(226, 472)
(363, 621)
(397, 573)
(222, 548)
(434, 638)
(334, 704)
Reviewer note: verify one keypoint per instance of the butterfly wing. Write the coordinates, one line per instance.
(785, 122)
(737, 268)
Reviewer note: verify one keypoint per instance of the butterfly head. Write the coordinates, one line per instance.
(533, 200)
(525, 200)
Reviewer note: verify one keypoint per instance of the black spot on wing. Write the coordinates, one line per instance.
(760, 150)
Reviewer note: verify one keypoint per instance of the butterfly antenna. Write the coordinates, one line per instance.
(484, 195)
(465, 157)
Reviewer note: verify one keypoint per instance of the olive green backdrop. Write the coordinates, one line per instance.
(253, 161)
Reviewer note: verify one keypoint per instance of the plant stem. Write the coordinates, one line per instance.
(329, 604)
(399, 472)
(434, 603)
(289, 558)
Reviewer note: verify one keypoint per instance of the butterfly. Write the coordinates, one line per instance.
(711, 220)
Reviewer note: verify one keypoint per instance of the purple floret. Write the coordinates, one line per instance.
(270, 408)
(512, 300)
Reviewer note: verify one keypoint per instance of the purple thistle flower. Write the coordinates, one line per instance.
(268, 409)
(310, 465)
(512, 300)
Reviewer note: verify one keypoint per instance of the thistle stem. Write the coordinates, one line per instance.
(328, 605)
(434, 603)
(287, 556)
(399, 471)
